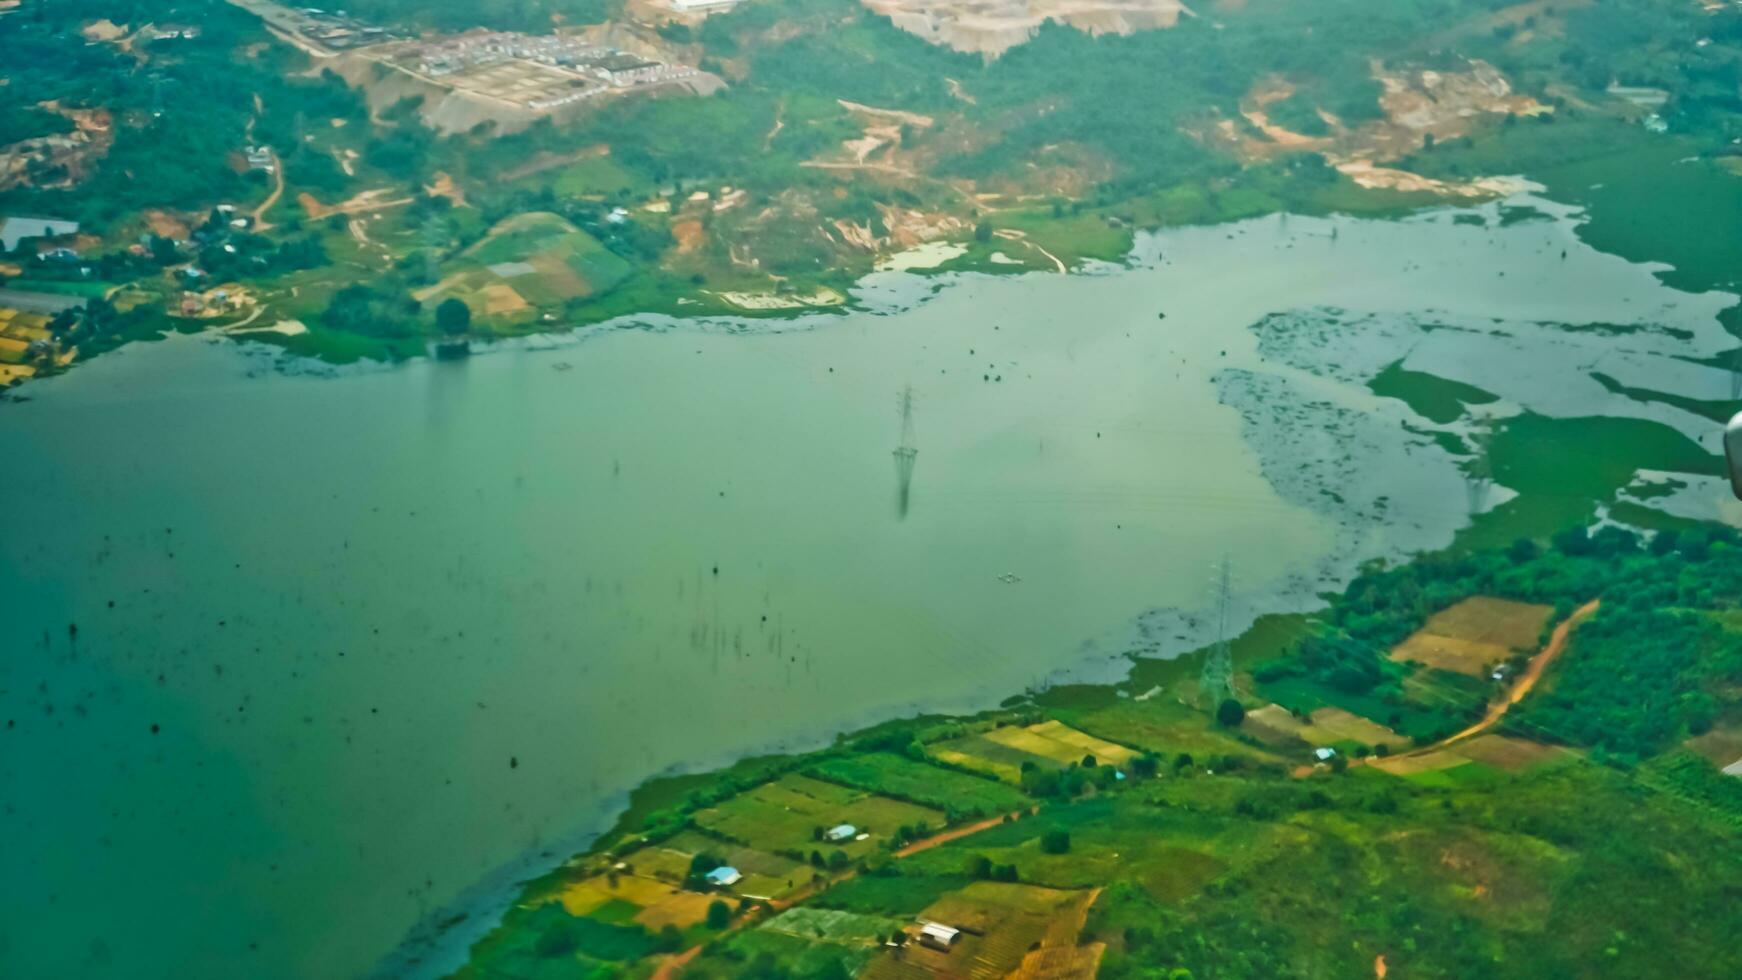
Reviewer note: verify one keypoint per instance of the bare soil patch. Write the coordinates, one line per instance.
(1472, 636)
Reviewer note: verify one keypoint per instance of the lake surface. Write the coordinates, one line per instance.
(355, 647)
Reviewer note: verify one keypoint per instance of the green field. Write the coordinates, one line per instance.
(895, 776)
(785, 815)
(528, 263)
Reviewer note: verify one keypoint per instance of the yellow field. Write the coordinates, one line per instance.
(1022, 929)
(1057, 741)
(1274, 724)
(1473, 635)
(1007, 771)
(1336, 725)
(682, 909)
(661, 903)
(588, 894)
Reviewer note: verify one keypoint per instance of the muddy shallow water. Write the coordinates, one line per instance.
(350, 643)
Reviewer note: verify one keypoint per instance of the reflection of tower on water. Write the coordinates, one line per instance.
(904, 453)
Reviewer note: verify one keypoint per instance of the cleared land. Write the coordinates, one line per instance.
(1472, 636)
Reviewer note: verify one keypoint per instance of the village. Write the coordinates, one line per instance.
(533, 71)
(538, 72)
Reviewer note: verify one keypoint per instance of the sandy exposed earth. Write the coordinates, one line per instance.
(1418, 103)
(991, 27)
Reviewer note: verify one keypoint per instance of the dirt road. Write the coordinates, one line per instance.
(1557, 642)
(260, 223)
(956, 834)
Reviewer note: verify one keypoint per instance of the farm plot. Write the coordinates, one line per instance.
(981, 754)
(1162, 724)
(783, 816)
(1002, 925)
(765, 875)
(1001, 752)
(833, 926)
(1509, 754)
(534, 260)
(1276, 725)
(1334, 725)
(954, 793)
(1475, 634)
(633, 899)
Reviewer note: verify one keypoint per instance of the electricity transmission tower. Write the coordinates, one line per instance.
(905, 452)
(1217, 683)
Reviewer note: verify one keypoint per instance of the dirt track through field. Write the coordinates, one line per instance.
(956, 834)
(260, 223)
(1557, 644)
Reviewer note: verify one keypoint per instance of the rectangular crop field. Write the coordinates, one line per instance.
(834, 926)
(981, 754)
(783, 816)
(901, 777)
(1001, 752)
(1474, 634)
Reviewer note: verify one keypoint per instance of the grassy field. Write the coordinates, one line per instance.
(902, 778)
(528, 263)
(784, 815)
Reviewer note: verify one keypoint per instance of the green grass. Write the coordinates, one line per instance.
(898, 895)
(597, 177)
(902, 778)
(783, 816)
(1562, 468)
(1433, 398)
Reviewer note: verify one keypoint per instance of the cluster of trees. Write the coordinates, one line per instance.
(981, 868)
(374, 312)
(1044, 782)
